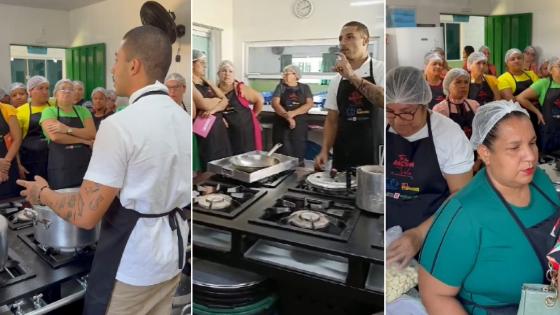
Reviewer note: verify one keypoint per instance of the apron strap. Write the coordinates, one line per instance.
(174, 225)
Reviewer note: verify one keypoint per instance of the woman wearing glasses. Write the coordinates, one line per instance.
(70, 131)
(428, 158)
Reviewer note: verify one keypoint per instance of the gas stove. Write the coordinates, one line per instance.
(269, 182)
(224, 200)
(55, 257)
(339, 185)
(15, 270)
(12, 211)
(327, 218)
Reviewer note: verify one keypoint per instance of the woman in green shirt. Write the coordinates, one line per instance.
(547, 92)
(493, 235)
(70, 131)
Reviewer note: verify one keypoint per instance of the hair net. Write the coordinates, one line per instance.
(59, 84)
(483, 47)
(197, 55)
(432, 56)
(98, 89)
(35, 81)
(511, 52)
(451, 76)
(80, 83)
(488, 116)
(474, 58)
(528, 48)
(16, 85)
(292, 68)
(553, 61)
(176, 77)
(439, 50)
(111, 94)
(225, 63)
(406, 85)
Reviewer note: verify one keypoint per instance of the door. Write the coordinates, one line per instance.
(503, 32)
(87, 64)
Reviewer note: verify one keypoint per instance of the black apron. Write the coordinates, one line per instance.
(9, 188)
(293, 140)
(462, 117)
(240, 125)
(360, 131)
(550, 132)
(97, 120)
(216, 145)
(541, 238)
(34, 151)
(116, 227)
(481, 92)
(520, 87)
(437, 95)
(415, 186)
(68, 162)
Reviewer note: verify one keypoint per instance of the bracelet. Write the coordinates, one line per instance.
(39, 195)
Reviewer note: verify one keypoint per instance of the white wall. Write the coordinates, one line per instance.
(29, 26)
(107, 22)
(545, 22)
(274, 20)
(219, 14)
(428, 11)
(472, 33)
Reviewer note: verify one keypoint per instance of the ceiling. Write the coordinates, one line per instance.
(62, 5)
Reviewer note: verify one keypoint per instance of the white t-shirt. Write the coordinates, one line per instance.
(378, 73)
(453, 149)
(145, 151)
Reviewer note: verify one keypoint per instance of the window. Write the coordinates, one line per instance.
(208, 40)
(27, 61)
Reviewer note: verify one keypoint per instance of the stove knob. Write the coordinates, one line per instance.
(38, 301)
(16, 307)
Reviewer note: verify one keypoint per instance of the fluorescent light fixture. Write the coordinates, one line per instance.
(364, 3)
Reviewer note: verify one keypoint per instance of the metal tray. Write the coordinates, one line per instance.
(375, 280)
(300, 259)
(211, 238)
(225, 168)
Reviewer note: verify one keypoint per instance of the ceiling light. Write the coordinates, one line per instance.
(364, 3)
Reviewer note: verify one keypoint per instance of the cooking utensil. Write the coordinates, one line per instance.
(251, 162)
(369, 195)
(329, 181)
(50, 230)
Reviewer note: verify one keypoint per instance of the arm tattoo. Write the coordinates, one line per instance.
(94, 204)
(372, 92)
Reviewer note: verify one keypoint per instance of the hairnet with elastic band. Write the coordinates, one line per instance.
(98, 89)
(483, 47)
(432, 56)
(60, 83)
(451, 76)
(488, 116)
(35, 81)
(16, 85)
(176, 77)
(553, 61)
(406, 85)
(292, 68)
(197, 55)
(510, 53)
(475, 57)
(225, 64)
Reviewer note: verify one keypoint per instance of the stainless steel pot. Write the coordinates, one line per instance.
(3, 242)
(370, 194)
(52, 231)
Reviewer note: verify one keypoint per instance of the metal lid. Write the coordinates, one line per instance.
(323, 180)
(212, 275)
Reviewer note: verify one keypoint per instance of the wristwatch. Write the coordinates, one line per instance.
(69, 131)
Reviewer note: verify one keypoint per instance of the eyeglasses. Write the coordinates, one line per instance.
(174, 87)
(406, 116)
(66, 91)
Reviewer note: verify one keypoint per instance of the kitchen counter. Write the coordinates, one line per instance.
(363, 249)
(45, 277)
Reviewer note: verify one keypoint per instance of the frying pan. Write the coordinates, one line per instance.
(251, 162)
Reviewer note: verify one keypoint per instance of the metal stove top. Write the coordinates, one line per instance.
(15, 270)
(326, 218)
(224, 200)
(56, 258)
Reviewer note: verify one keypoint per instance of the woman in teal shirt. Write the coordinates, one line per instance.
(479, 250)
(70, 131)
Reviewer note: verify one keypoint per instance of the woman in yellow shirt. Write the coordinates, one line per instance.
(34, 152)
(10, 135)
